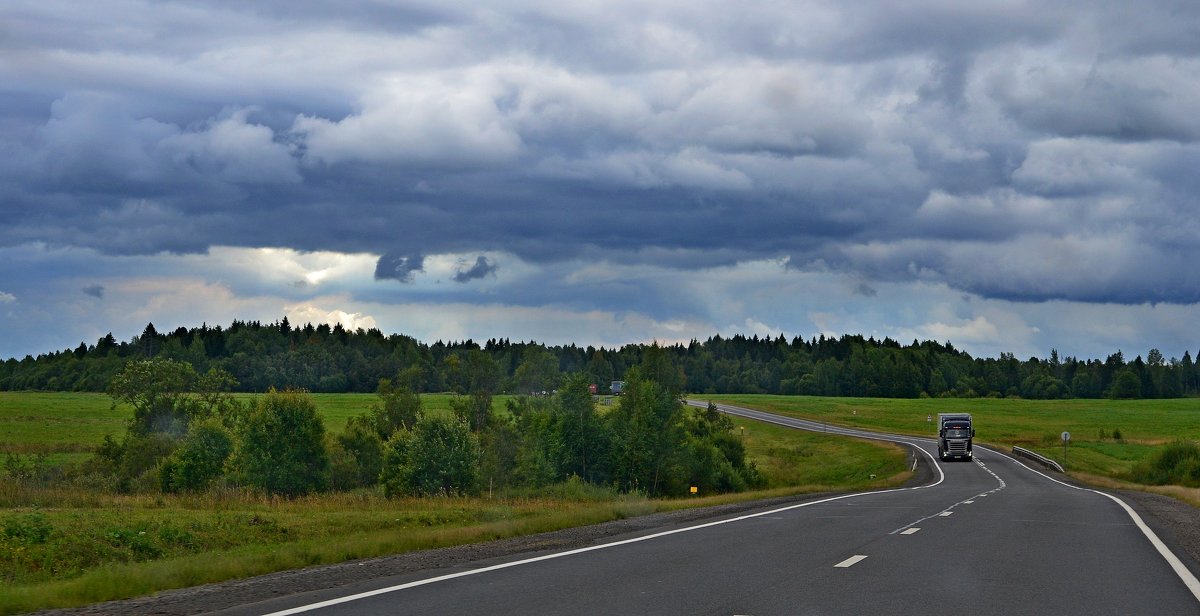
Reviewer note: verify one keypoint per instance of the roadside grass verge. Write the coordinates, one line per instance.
(325, 537)
(1190, 496)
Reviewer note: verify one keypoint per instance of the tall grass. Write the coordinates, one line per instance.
(1176, 463)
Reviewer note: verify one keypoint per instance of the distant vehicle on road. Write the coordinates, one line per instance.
(955, 433)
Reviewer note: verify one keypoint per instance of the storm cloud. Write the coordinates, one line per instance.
(392, 266)
(1023, 152)
(480, 269)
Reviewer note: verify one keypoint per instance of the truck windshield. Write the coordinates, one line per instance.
(957, 433)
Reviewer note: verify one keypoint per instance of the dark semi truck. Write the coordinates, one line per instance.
(955, 433)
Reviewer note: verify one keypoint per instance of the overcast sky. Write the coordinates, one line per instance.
(1009, 176)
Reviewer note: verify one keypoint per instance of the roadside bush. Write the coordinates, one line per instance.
(1177, 463)
(199, 459)
(281, 447)
(128, 460)
(356, 455)
(439, 455)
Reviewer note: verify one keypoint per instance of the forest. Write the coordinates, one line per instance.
(324, 358)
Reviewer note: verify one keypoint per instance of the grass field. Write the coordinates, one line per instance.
(62, 546)
(1034, 424)
(68, 427)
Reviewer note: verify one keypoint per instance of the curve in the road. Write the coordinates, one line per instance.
(1185, 575)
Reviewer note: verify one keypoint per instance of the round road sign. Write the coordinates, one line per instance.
(1066, 436)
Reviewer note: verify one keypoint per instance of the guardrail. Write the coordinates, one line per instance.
(1037, 457)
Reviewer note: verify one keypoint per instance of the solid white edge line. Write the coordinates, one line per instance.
(380, 591)
(1185, 574)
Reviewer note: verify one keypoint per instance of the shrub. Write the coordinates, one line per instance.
(1177, 463)
(281, 447)
(199, 460)
(357, 455)
(398, 408)
(439, 456)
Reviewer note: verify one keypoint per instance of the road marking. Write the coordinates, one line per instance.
(1181, 570)
(850, 562)
(909, 531)
(969, 502)
(945, 514)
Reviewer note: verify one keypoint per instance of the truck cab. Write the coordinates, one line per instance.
(956, 432)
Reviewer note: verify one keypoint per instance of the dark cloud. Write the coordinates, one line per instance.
(482, 267)
(395, 266)
(991, 147)
(94, 290)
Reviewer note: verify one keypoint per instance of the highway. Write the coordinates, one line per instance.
(986, 537)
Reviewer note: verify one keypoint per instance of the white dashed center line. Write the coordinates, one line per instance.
(850, 562)
(909, 531)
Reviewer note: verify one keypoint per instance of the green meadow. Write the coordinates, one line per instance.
(67, 427)
(68, 545)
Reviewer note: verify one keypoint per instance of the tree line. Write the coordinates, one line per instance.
(322, 358)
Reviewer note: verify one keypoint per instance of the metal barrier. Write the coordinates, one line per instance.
(1037, 457)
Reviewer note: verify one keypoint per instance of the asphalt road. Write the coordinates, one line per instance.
(986, 537)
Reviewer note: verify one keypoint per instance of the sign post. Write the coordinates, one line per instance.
(1066, 438)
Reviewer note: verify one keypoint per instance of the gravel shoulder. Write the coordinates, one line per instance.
(1175, 522)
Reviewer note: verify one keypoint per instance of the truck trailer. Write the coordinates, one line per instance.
(955, 433)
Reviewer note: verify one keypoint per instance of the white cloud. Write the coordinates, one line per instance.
(442, 119)
(234, 150)
(7, 298)
(277, 267)
(309, 313)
